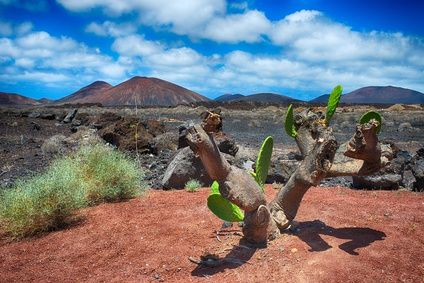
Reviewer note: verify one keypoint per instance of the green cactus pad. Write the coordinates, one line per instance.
(215, 188)
(371, 115)
(224, 209)
(333, 102)
(263, 161)
(289, 123)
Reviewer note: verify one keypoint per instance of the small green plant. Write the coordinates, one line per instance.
(48, 201)
(289, 122)
(192, 186)
(333, 102)
(370, 115)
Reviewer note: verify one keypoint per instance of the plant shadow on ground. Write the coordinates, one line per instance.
(238, 255)
(310, 231)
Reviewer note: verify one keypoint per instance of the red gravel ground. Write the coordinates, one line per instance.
(342, 235)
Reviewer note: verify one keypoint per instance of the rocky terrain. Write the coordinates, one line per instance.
(31, 138)
(340, 234)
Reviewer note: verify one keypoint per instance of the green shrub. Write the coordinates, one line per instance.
(110, 175)
(46, 202)
(192, 186)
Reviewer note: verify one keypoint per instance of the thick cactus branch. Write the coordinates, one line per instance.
(362, 155)
(235, 184)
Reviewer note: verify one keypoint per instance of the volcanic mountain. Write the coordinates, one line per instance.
(138, 90)
(258, 97)
(16, 99)
(86, 94)
(378, 95)
(229, 97)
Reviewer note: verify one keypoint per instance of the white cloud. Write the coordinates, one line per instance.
(182, 16)
(40, 57)
(234, 28)
(108, 28)
(198, 19)
(5, 29)
(310, 36)
(239, 5)
(136, 45)
(8, 29)
(31, 5)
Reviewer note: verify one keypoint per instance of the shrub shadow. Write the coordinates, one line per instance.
(310, 231)
(238, 256)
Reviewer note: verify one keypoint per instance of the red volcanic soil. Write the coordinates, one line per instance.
(341, 236)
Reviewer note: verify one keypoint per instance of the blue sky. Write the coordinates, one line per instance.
(300, 48)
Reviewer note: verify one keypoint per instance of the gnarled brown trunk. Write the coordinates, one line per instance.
(362, 155)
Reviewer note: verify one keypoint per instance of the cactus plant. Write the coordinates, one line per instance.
(228, 211)
(369, 116)
(333, 102)
(222, 207)
(289, 122)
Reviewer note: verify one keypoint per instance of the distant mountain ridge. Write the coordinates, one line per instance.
(156, 92)
(229, 97)
(378, 95)
(265, 97)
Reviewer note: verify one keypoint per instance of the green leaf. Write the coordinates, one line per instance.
(224, 209)
(263, 161)
(333, 102)
(289, 123)
(371, 115)
(215, 188)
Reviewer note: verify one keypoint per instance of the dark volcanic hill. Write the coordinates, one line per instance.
(16, 99)
(229, 97)
(258, 97)
(86, 94)
(378, 95)
(145, 92)
(320, 99)
(384, 94)
(270, 98)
